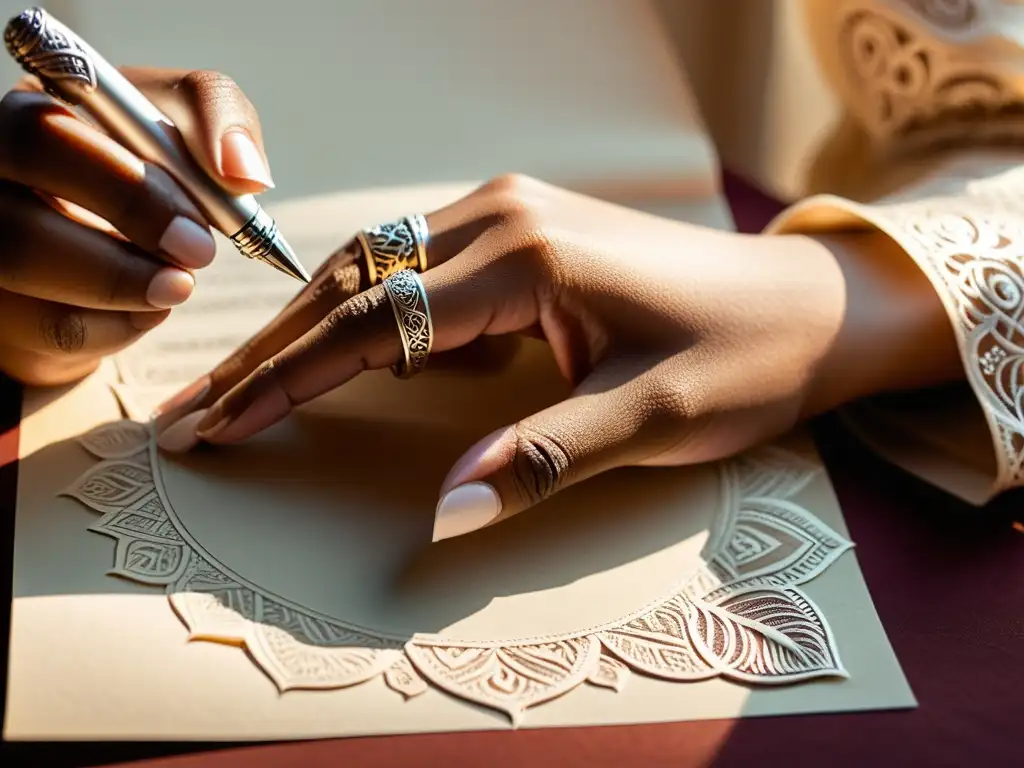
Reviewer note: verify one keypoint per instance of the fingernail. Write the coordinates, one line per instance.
(169, 288)
(181, 436)
(147, 321)
(185, 400)
(188, 243)
(465, 509)
(483, 458)
(240, 159)
(221, 426)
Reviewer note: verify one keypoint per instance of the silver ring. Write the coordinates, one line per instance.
(408, 300)
(396, 245)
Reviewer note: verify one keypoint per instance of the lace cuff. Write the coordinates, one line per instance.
(969, 241)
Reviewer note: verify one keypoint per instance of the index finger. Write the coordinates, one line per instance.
(467, 297)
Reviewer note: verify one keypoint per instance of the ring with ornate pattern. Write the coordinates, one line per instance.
(396, 245)
(408, 299)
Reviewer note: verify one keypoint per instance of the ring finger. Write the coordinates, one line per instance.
(449, 231)
(478, 293)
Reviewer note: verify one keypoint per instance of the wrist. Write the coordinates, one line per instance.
(893, 333)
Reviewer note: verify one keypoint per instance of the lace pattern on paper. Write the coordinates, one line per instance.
(910, 84)
(741, 615)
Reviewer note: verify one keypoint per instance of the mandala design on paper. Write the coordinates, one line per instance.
(740, 615)
(911, 86)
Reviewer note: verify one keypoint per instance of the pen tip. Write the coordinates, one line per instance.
(259, 239)
(283, 258)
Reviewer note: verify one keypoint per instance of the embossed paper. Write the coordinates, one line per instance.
(288, 588)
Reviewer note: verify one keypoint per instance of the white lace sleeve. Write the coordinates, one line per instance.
(936, 88)
(970, 244)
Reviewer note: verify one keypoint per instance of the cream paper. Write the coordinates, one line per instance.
(639, 596)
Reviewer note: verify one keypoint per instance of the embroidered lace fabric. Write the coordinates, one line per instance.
(738, 613)
(920, 77)
(971, 247)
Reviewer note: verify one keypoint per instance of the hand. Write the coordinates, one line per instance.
(97, 244)
(684, 344)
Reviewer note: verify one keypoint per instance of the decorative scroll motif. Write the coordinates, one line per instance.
(914, 87)
(391, 247)
(741, 615)
(409, 302)
(43, 49)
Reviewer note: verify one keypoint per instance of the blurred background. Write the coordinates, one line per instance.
(589, 94)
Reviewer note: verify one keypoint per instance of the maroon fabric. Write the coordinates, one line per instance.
(948, 582)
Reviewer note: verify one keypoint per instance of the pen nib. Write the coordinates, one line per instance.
(282, 258)
(259, 239)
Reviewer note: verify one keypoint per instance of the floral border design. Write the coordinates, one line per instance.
(741, 615)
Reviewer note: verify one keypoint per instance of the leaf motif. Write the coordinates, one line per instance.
(510, 678)
(609, 673)
(203, 576)
(775, 541)
(292, 664)
(209, 616)
(117, 440)
(657, 643)
(403, 678)
(111, 486)
(765, 635)
(158, 563)
(146, 519)
(774, 472)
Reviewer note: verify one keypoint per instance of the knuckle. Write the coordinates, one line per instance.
(512, 184)
(512, 195)
(534, 249)
(540, 465)
(671, 405)
(341, 282)
(205, 83)
(63, 330)
(354, 315)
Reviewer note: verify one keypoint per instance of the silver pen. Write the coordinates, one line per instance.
(70, 70)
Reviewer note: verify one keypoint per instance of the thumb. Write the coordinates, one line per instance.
(219, 124)
(521, 465)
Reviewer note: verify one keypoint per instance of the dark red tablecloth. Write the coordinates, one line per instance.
(948, 581)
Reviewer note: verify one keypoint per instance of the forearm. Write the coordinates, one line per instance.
(894, 333)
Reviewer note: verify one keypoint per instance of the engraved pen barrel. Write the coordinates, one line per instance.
(73, 72)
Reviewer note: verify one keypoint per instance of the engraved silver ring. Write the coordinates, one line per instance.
(408, 299)
(389, 248)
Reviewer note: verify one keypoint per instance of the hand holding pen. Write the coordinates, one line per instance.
(98, 243)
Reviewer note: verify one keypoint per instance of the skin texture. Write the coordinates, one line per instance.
(684, 344)
(87, 265)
